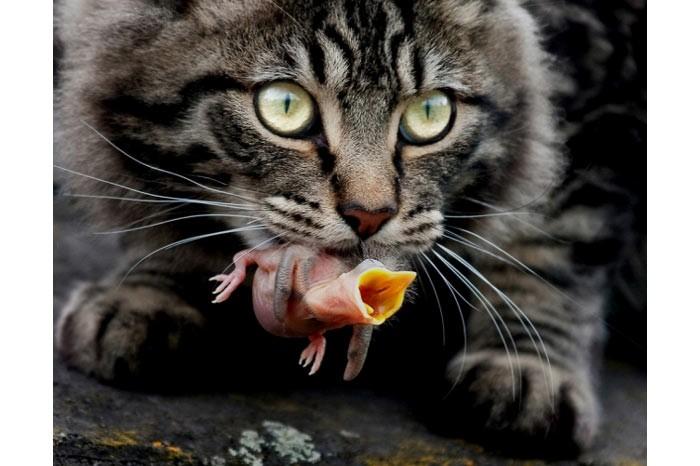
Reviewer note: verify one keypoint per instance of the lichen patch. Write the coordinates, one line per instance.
(250, 450)
(291, 444)
(278, 440)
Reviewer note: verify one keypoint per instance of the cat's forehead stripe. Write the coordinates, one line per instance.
(336, 63)
(389, 54)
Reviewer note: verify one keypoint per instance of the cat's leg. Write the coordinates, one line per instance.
(541, 389)
(148, 328)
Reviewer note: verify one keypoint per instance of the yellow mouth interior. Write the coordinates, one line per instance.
(382, 291)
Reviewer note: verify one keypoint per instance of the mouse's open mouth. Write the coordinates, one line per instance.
(382, 291)
(367, 294)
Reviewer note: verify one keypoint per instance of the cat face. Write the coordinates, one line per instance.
(351, 126)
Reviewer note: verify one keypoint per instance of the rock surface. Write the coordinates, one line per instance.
(95, 424)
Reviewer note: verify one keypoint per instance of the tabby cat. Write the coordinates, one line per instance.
(425, 134)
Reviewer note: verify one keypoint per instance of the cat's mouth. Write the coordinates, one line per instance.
(352, 256)
(349, 252)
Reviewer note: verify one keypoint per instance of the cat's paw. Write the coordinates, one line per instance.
(548, 411)
(128, 334)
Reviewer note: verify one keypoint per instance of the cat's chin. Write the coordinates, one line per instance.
(393, 258)
(349, 251)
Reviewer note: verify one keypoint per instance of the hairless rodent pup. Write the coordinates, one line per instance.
(298, 292)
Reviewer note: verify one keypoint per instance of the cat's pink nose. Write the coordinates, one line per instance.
(366, 222)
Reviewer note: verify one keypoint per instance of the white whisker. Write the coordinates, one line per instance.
(519, 314)
(458, 239)
(496, 214)
(185, 241)
(544, 192)
(276, 5)
(256, 247)
(517, 217)
(491, 311)
(437, 299)
(454, 294)
(214, 180)
(157, 196)
(168, 172)
(126, 199)
(127, 230)
(518, 263)
(154, 215)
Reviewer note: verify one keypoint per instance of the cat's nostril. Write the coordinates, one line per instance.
(366, 222)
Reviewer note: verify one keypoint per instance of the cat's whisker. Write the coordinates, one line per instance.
(495, 214)
(454, 294)
(138, 191)
(519, 263)
(520, 315)
(277, 5)
(548, 189)
(162, 170)
(186, 241)
(510, 259)
(508, 301)
(450, 235)
(164, 222)
(181, 201)
(255, 248)
(437, 299)
(516, 215)
(126, 199)
(452, 287)
(156, 214)
(214, 180)
(519, 218)
(491, 311)
(112, 183)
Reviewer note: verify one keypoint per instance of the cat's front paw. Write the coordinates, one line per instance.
(128, 334)
(536, 409)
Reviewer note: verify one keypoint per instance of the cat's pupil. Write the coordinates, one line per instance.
(426, 105)
(287, 102)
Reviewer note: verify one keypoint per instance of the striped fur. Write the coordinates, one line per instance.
(157, 97)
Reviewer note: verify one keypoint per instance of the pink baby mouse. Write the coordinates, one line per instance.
(298, 292)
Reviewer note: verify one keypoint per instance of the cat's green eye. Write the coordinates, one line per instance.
(285, 109)
(427, 118)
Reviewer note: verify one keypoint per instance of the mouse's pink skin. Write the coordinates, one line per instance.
(298, 292)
